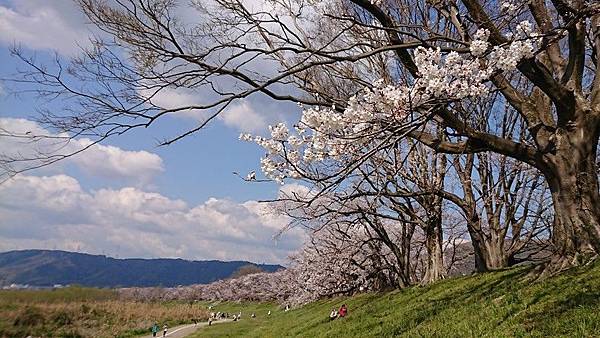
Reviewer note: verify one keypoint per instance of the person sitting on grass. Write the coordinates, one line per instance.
(333, 315)
(343, 311)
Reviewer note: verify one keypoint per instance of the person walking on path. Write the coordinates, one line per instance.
(165, 328)
(155, 329)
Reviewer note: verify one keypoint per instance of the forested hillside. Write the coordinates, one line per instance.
(49, 267)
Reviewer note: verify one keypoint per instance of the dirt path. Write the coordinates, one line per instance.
(184, 330)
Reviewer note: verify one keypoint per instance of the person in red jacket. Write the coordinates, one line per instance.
(343, 311)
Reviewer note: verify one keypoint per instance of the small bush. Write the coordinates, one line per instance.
(85, 308)
(62, 318)
(30, 316)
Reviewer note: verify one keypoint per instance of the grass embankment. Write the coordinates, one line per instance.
(85, 312)
(498, 304)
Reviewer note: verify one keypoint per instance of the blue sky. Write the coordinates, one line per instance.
(209, 213)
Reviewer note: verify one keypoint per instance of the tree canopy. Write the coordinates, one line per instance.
(400, 98)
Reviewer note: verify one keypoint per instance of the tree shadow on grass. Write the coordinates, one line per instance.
(551, 300)
(441, 297)
(553, 312)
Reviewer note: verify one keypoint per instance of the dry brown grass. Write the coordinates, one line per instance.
(46, 314)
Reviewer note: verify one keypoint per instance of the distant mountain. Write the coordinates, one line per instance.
(50, 267)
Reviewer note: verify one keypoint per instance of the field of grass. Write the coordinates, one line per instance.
(498, 304)
(85, 312)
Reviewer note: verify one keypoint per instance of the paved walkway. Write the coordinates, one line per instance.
(185, 330)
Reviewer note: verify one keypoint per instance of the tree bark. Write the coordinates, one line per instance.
(435, 255)
(573, 180)
(493, 256)
(488, 250)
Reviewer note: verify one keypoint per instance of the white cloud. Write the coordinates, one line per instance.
(104, 160)
(240, 115)
(171, 98)
(55, 212)
(295, 190)
(37, 24)
(244, 118)
(252, 114)
(113, 161)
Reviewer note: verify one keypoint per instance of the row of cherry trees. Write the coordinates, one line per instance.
(422, 119)
(407, 200)
(262, 286)
(333, 262)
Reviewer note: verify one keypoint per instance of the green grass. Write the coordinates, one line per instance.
(498, 304)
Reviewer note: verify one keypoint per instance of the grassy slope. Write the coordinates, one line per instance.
(499, 304)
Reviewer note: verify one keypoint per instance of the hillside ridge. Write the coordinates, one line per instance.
(43, 268)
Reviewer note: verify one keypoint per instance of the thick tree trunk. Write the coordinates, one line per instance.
(573, 179)
(495, 255)
(435, 255)
(489, 254)
(488, 249)
(577, 212)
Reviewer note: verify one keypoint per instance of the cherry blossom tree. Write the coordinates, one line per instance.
(391, 195)
(352, 219)
(502, 200)
(369, 74)
(277, 286)
(341, 261)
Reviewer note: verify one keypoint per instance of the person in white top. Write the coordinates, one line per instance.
(333, 315)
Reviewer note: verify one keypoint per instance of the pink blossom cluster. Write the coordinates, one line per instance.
(334, 263)
(276, 286)
(325, 133)
(331, 263)
(328, 134)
